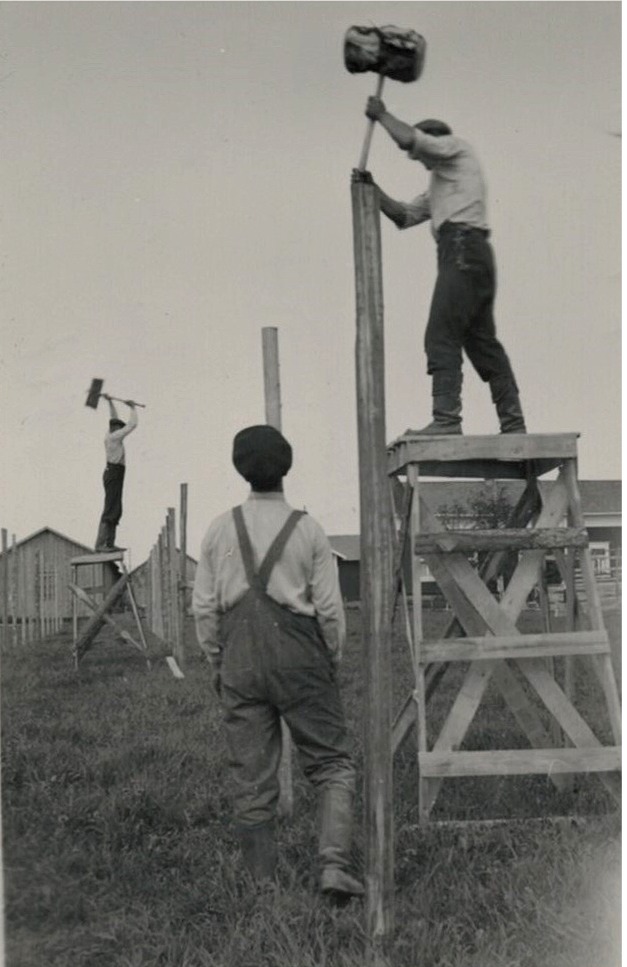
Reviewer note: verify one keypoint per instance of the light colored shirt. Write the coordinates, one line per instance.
(304, 579)
(457, 189)
(114, 447)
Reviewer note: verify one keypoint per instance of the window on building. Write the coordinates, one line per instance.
(600, 552)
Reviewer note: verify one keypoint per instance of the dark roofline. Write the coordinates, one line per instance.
(50, 530)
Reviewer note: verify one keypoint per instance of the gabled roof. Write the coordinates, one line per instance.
(55, 533)
(140, 567)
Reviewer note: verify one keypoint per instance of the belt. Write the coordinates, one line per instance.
(463, 227)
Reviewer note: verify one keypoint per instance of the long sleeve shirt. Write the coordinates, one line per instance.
(305, 579)
(457, 189)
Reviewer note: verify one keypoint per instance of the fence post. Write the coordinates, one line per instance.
(173, 587)
(376, 567)
(5, 588)
(182, 580)
(272, 398)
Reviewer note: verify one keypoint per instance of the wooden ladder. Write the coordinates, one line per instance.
(484, 631)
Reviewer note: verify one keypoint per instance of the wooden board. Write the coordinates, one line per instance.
(514, 762)
(553, 644)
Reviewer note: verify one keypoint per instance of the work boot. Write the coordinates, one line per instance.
(447, 407)
(103, 537)
(336, 829)
(258, 846)
(504, 392)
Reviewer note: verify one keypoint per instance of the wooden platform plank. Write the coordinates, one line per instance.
(505, 447)
(547, 645)
(98, 557)
(513, 762)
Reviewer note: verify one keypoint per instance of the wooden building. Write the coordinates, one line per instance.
(139, 577)
(38, 570)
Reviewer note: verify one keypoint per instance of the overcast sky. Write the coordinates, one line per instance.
(176, 176)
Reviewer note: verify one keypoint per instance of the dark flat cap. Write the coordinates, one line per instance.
(261, 455)
(434, 127)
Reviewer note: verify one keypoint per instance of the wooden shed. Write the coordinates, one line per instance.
(39, 572)
(139, 577)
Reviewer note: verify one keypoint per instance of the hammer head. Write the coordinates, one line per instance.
(390, 51)
(94, 392)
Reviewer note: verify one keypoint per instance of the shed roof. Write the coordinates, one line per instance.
(55, 533)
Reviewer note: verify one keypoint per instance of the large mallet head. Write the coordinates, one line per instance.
(387, 51)
(94, 393)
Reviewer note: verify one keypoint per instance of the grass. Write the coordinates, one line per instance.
(118, 849)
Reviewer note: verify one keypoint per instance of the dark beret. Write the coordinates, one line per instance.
(261, 454)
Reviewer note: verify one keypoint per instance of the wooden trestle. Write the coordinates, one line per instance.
(483, 631)
(100, 607)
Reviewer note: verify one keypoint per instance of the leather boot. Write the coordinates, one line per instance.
(258, 846)
(336, 829)
(447, 406)
(504, 392)
(103, 537)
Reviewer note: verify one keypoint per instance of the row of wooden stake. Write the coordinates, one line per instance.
(167, 586)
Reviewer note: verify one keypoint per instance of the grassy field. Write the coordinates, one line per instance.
(118, 849)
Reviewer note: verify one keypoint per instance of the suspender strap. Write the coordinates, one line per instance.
(245, 547)
(261, 578)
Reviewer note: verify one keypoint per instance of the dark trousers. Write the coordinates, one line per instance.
(462, 308)
(275, 663)
(113, 480)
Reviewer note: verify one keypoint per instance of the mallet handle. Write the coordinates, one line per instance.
(363, 161)
(116, 399)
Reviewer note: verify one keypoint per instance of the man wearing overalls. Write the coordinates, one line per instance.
(462, 307)
(269, 616)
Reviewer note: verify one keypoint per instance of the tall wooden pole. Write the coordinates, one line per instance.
(183, 564)
(5, 587)
(272, 398)
(375, 568)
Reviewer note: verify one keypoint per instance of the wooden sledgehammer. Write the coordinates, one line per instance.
(389, 52)
(95, 392)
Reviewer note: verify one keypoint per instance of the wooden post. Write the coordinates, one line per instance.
(375, 568)
(183, 564)
(173, 582)
(5, 587)
(272, 399)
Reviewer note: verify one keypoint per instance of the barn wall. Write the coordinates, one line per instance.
(39, 575)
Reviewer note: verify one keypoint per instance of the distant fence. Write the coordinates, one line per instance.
(165, 582)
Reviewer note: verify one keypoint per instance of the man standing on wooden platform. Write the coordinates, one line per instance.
(269, 617)
(462, 307)
(113, 477)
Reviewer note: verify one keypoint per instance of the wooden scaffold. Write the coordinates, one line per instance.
(484, 631)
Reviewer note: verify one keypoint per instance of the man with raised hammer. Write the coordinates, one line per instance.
(462, 308)
(113, 477)
(269, 617)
